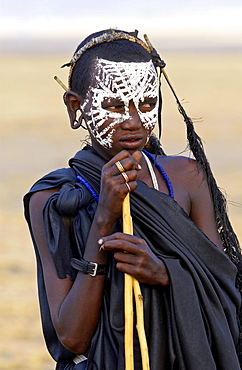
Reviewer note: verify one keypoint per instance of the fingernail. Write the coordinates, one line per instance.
(100, 241)
(101, 248)
(139, 167)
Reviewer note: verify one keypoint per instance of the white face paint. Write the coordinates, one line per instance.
(124, 82)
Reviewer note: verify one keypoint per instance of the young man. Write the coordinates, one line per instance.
(176, 253)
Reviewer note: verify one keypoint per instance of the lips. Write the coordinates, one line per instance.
(131, 141)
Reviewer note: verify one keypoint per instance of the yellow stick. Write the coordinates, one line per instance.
(128, 294)
(131, 283)
(140, 325)
(127, 219)
(128, 322)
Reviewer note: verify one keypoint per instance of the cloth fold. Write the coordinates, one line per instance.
(190, 324)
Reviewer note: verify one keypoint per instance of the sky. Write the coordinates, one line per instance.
(193, 22)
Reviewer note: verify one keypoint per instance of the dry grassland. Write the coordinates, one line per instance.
(35, 138)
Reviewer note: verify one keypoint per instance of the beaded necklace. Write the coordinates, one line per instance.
(162, 172)
(88, 186)
(157, 165)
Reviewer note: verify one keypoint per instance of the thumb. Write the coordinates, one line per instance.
(137, 157)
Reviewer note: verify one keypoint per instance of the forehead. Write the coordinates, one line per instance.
(124, 76)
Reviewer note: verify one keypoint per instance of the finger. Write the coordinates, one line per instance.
(127, 243)
(130, 163)
(137, 156)
(123, 161)
(122, 257)
(125, 177)
(129, 178)
(122, 247)
(123, 166)
(126, 160)
(122, 236)
(128, 187)
(133, 270)
(127, 268)
(132, 175)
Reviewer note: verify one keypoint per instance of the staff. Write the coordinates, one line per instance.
(130, 285)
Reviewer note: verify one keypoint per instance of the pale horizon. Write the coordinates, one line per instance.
(213, 24)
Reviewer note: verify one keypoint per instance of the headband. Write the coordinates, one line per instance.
(109, 36)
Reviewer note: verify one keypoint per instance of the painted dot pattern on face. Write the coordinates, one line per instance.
(125, 82)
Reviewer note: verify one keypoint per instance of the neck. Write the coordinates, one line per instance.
(102, 152)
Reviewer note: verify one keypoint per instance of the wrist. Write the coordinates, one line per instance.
(104, 223)
(90, 268)
(164, 279)
(163, 274)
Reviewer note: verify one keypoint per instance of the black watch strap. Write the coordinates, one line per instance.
(90, 268)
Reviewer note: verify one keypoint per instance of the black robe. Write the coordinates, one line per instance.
(191, 324)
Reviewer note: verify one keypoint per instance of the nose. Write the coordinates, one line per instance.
(134, 122)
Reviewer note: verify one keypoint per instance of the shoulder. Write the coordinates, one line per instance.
(186, 170)
(45, 186)
(37, 204)
(188, 178)
(38, 199)
(54, 179)
(177, 161)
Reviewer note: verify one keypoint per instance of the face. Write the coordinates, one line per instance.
(116, 87)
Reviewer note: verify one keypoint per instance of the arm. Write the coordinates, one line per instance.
(75, 306)
(202, 209)
(64, 296)
(192, 194)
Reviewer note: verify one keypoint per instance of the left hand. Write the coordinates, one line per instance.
(135, 258)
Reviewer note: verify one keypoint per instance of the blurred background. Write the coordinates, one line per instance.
(201, 43)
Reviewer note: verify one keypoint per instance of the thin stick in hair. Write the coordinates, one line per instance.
(61, 83)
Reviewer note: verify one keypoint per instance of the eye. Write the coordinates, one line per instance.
(113, 106)
(147, 105)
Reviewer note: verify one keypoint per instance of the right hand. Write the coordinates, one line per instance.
(113, 187)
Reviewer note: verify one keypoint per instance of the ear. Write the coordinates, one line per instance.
(73, 101)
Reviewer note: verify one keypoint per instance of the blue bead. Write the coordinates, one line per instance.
(162, 172)
(88, 186)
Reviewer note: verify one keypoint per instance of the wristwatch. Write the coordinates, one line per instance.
(91, 268)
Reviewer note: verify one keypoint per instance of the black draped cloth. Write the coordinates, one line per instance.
(191, 324)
